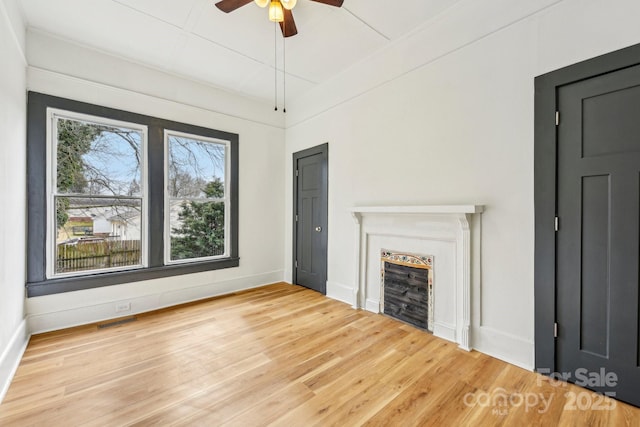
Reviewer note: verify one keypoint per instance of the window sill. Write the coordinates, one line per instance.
(78, 283)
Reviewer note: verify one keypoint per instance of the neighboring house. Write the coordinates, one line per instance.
(105, 219)
(115, 223)
(123, 225)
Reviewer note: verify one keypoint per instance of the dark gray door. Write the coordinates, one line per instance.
(598, 237)
(310, 218)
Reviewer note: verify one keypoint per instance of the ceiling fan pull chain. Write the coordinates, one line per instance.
(284, 70)
(275, 63)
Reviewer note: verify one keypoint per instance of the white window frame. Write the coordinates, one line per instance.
(226, 199)
(53, 114)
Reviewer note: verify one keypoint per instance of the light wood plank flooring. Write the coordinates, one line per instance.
(281, 355)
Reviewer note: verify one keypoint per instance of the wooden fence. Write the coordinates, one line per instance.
(95, 255)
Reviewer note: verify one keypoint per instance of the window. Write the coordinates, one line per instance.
(97, 190)
(196, 197)
(117, 197)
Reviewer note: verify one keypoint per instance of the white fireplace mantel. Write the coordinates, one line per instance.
(420, 225)
(428, 209)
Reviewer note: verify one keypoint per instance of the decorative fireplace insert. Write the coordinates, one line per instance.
(407, 288)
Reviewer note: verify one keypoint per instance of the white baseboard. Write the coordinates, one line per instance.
(509, 348)
(445, 331)
(51, 321)
(342, 293)
(10, 358)
(372, 305)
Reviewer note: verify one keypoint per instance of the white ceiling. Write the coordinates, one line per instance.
(234, 51)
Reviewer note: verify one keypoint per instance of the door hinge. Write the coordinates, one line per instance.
(296, 218)
(296, 263)
(296, 172)
(557, 118)
(555, 330)
(556, 224)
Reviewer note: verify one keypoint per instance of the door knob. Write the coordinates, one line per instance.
(318, 229)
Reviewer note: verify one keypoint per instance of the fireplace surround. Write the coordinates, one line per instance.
(442, 231)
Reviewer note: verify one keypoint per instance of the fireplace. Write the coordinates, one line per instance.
(407, 288)
(444, 232)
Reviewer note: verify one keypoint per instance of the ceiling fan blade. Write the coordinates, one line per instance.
(336, 3)
(288, 26)
(231, 5)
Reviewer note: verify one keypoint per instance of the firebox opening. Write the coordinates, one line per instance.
(407, 286)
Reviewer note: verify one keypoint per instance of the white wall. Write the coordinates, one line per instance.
(13, 333)
(445, 116)
(69, 70)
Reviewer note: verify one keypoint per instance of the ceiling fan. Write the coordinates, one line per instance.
(279, 11)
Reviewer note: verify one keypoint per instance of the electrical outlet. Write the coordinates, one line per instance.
(123, 306)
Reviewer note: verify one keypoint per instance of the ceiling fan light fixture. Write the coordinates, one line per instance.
(262, 3)
(276, 13)
(289, 4)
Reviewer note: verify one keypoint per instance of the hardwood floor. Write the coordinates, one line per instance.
(281, 355)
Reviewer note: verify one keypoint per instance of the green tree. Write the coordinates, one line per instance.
(74, 141)
(201, 230)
